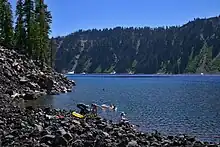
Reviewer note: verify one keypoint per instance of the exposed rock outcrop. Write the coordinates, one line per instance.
(21, 77)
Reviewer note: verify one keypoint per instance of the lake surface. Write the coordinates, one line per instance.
(170, 104)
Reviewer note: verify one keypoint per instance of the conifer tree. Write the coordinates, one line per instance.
(1, 22)
(43, 19)
(6, 23)
(19, 37)
(48, 21)
(29, 21)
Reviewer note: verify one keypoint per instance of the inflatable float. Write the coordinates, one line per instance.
(75, 114)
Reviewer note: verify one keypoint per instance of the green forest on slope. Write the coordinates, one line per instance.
(190, 48)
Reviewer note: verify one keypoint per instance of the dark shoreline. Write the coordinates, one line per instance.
(43, 127)
(150, 131)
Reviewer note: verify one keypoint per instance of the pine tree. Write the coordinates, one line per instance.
(6, 23)
(1, 22)
(52, 52)
(36, 42)
(38, 39)
(19, 37)
(47, 30)
(29, 21)
(43, 19)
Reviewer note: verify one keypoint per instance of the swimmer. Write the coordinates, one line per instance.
(113, 107)
(122, 117)
(104, 107)
(94, 108)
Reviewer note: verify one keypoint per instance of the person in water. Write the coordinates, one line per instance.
(104, 107)
(83, 108)
(94, 109)
(113, 107)
(123, 118)
(83, 111)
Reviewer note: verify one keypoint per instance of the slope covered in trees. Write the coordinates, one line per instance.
(191, 48)
(31, 32)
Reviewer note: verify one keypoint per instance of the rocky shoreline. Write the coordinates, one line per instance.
(20, 77)
(44, 127)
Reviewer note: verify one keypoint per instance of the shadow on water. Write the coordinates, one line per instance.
(44, 101)
(61, 101)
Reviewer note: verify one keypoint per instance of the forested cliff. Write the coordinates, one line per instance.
(190, 48)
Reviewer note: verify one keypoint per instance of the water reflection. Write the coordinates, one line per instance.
(47, 101)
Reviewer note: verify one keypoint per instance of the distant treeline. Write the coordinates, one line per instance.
(193, 47)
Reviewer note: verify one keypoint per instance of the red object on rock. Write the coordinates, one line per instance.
(59, 116)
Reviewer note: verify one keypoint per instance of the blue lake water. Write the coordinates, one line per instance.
(170, 104)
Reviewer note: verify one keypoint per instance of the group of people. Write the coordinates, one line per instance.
(93, 109)
(112, 107)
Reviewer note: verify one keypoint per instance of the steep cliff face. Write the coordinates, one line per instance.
(193, 47)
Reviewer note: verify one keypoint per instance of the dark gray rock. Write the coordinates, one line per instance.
(68, 136)
(132, 144)
(61, 131)
(106, 135)
(213, 145)
(156, 144)
(47, 138)
(43, 145)
(78, 143)
(7, 73)
(198, 144)
(69, 90)
(60, 140)
(1, 122)
(9, 137)
(39, 127)
(23, 80)
(190, 139)
(31, 95)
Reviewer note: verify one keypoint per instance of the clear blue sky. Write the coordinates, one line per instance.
(72, 15)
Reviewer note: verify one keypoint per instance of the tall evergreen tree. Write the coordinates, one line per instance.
(48, 21)
(1, 22)
(6, 23)
(43, 19)
(19, 37)
(29, 21)
(52, 52)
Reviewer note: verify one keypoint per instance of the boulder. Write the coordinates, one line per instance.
(31, 95)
